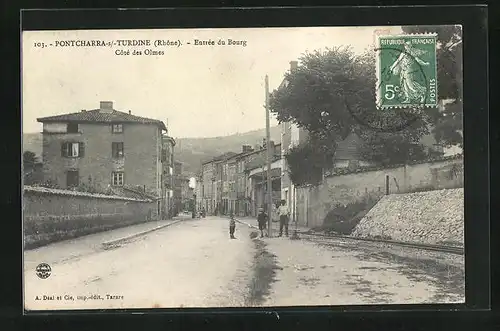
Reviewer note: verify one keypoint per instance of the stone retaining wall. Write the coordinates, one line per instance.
(348, 186)
(432, 217)
(51, 215)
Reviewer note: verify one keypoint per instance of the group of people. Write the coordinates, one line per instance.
(262, 220)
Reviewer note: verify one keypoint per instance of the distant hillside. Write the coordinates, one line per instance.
(190, 151)
(193, 151)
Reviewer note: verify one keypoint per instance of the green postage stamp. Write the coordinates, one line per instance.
(406, 71)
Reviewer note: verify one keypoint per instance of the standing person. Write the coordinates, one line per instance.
(232, 226)
(262, 220)
(284, 214)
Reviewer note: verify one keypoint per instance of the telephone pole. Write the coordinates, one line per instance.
(269, 182)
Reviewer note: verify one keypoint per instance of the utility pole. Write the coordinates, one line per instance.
(269, 182)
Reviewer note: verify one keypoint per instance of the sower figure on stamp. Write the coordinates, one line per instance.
(284, 214)
(406, 66)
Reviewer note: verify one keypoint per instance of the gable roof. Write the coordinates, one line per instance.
(97, 116)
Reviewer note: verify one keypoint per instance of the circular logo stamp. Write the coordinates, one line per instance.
(43, 270)
(387, 120)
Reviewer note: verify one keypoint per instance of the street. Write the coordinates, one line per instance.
(193, 263)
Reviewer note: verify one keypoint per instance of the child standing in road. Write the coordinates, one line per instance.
(262, 220)
(232, 226)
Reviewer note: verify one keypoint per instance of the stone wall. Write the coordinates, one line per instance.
(416, 217)
(51, 215)
(347, 186)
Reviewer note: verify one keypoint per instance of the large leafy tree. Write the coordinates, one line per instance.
(448, 123)
(332, 94)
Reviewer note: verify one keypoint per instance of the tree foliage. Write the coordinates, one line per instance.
(306, 163)
(332, 94)
(322, 91)
(448, 123)
(389, 148)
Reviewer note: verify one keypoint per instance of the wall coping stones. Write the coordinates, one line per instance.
(341, 172)
(51, 191)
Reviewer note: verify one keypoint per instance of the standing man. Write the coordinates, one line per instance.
(284, 214)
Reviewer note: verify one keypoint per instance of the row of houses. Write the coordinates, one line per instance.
(106, 150)
(236, 182)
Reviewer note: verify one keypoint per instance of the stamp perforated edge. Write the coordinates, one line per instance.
(377, 67)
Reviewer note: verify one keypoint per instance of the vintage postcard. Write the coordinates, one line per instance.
(209, 168)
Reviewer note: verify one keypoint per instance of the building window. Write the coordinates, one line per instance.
(117, 150)
(72, 178)
(72, 128)
(117, 179)
(117, 128)
(71, 149)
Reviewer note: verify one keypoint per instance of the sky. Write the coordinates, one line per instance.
(198, 91)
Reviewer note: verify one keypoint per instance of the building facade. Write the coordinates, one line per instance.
(178, 183)
(214, 183)
(186, 194)
(235, 182)
(104, 149)
(168, 175)
(198, 191)
(256, 177)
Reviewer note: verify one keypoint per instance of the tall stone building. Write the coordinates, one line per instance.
(105, 149)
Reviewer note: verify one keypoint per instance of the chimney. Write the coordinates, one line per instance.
(106, 106)
(130, 112)
(83, 110)
(293, 65)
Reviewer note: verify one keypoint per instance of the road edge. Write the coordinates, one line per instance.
(138, 234)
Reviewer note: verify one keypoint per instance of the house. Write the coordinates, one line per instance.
(213, 177)
(198, 191)
(178, 180)
(186, 193)
(104, 149)
(235, 182)
(291, 136)
(256, 176)
(168, 174)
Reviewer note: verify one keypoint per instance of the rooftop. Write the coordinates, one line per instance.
(105, 114)
(221, 157)
(232, 155)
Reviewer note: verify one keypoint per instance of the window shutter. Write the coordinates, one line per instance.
(81, 149)
(113, 150)
(63, 149)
